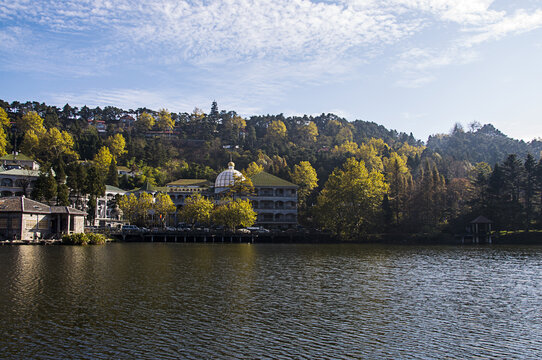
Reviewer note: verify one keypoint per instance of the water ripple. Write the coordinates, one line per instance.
(195, 301)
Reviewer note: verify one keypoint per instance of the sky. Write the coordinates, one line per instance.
(416, 66)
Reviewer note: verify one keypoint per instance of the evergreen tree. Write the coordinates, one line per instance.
(112, 175)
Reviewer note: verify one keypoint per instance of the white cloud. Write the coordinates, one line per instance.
(266, 46)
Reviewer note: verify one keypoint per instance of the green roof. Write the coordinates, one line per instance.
(114, 188)
(190, 182)
(148, 187)
(12, 157)
(266, 179)
(21, 172)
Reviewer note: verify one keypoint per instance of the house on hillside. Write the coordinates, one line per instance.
(18, 161)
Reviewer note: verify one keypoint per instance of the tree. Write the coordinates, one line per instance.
(305, 177)
(530, 189)
(233, 126)
(163, 206)
(76, 181)
(3, 141)
(253, 169)
(117, 143)
(129, 206)
(145, 122)
(309, 132)
(350, 202)
(49, 146)
(112, 174)
(234, 213)
(398, 177)
(276, 131)
(196, 209)
(165, 122)
(242, 186)
(144, 205)
(45, 188)
(30, 121)
(4, 119)
(102, 160)
(344, 135)
(62, 195)
(95, 187)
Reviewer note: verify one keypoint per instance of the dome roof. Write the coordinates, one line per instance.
(227, 177)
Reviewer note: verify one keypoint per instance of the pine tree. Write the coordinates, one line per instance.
(112, 175)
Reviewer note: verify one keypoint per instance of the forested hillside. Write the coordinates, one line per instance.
(481, 143)
(355, 177)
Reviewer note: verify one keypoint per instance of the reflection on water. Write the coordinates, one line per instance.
(270, 301)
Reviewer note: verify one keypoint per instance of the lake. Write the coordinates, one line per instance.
(270, 301)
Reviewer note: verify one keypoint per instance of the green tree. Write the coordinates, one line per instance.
(305, 177)
(196, 209)
(398, 177)
(350, 202)
(112, 174)
(45, 188)
(530, 190)
(62, 195)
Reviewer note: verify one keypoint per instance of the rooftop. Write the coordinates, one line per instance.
(266, 179)
(26, 205)
(21, 172)
(190, 182)
(112, 188)
(12, 157)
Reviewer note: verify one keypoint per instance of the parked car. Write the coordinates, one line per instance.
(258, 229)
(243, 231)
(130, 228)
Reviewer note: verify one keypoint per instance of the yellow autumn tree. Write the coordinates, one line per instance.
(350, 203)
(165, 122)
(163, 206)
(196, 209)
(305, 177)
(103, 159)
(309, 132)
(276, 130)
(117, 145)
(30, 121)
(252, 169)
(145, 122)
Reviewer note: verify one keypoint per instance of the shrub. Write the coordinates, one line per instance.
(83, 239)
(96, 239)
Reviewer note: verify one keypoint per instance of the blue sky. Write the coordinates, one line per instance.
(410, 65)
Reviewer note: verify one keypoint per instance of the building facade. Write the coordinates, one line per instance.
(25, 219)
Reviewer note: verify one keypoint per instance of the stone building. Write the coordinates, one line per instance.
(25, 219)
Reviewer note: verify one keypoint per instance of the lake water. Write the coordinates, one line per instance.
(267, 301)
